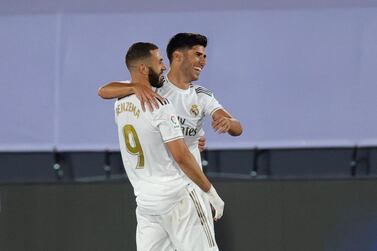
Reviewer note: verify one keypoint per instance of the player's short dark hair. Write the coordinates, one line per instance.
(137, 51)
(185, 40)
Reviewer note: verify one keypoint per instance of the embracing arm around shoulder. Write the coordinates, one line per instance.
(122, 89)
(116, 90)
(222, 122)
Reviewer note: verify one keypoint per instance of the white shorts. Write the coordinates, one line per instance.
(207, 206)
(187, 227)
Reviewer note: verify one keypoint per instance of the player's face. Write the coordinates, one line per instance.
(156, 68)
(194, 60)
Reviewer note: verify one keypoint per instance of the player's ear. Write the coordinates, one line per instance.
(178, 56)
(143, 69)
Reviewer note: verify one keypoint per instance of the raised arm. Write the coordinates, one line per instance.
(122, 89)
(190, 167)
(222, 122)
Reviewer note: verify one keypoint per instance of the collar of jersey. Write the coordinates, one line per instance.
(175, 88)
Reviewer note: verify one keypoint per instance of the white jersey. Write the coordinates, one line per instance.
(157, 180)
(191, 106)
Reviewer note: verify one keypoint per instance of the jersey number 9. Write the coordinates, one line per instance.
(135, 149)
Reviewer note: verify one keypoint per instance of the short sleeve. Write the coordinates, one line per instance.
(210, 103)
(212, 106)
(165, 119)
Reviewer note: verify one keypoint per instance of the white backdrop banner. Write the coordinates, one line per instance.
(294, 78)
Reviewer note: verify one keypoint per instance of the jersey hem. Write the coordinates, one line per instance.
(172, 139)
(214, 110)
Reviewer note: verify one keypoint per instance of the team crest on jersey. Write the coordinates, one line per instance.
(194, 110)
(174, 121)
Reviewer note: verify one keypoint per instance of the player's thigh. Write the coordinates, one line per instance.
(189, 228)
(150, 235)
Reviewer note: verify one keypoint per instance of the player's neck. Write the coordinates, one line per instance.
(140, 81)
(178, 79)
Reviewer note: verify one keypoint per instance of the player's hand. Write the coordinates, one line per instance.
(147, 97)
(222, 125)
(202, 143)
(216, 202)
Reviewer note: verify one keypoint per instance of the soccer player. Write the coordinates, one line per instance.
(169, 212)
(187, 56)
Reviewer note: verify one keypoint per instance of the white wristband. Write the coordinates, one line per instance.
(212, 192)
(216, 202)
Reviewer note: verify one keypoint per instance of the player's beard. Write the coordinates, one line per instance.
(155, 79)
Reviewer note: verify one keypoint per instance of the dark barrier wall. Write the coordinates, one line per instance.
(314, 163)
(259, 215)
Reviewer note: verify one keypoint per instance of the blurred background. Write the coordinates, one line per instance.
(299, 75)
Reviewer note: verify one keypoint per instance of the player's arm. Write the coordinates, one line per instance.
(190, 167)
(122, 89)
(222, 122)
